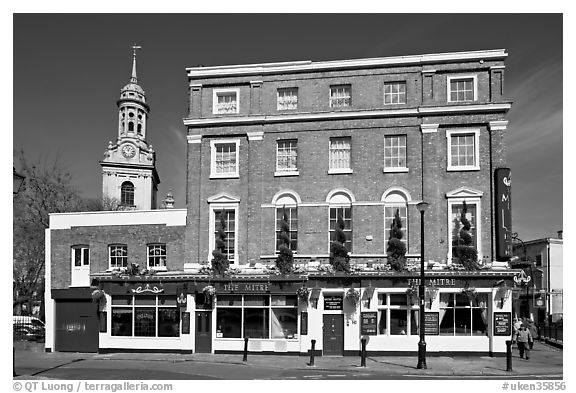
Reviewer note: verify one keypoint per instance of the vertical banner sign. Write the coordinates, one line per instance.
(181, 296)
(503, 214)
(102, 321)
(185, 323)
(304, 323)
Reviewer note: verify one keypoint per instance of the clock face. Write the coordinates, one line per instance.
(128, 151)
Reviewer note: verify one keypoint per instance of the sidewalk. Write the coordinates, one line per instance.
(544, 361)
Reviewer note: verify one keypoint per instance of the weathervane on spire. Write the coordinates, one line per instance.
(134, 78)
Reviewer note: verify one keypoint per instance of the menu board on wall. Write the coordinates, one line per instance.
(333, 302)
(502, 324)
(304, 323)
(368, 323)
(185, 323)
(431, 323)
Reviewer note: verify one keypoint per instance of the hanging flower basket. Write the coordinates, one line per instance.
(352, 296)
(209, 293)
(98, 295)
(303, 294)
(412, 295)
(472, 294)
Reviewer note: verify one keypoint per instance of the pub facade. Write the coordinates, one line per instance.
(297, 149)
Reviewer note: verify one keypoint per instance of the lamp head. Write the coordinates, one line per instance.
(422, 206)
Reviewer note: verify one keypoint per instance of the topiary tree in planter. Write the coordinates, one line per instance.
(220, 261)
(285, 259)
(462, 248)
(339, 258)
(396, 250)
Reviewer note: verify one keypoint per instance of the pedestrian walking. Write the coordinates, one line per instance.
(517, 324)
(523, 338)
(533, 332)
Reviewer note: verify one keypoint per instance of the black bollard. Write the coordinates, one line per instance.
(245, 358)
(312, 352)
(508, 355)
(363, 353)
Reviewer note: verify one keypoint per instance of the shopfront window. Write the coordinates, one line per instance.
(256, 316)
(396, 315)
(145, 316)
(462, 315)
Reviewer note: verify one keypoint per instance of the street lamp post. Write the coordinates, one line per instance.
(422, 206)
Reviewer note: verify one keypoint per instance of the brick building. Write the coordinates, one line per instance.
(351, 141)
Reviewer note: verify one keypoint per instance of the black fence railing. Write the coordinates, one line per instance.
(552, 333)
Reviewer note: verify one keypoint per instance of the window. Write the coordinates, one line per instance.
(463, 150)
(81, 256)
(224, 158)
(462, 88)
(287, 99)
(340, 96)
(118, 256)
(538, 259)
(127, 194)
(291, 213)
(462, 316)
(396, 315)
(287, 156)
(226, 101)
(395, 153)
(474, 214)
(341, 214)
(257, 316)
(396, 200)
(394, 93)
(225, 232)
(471, 215)
(340, 155)
(156, 256)
(145, 316)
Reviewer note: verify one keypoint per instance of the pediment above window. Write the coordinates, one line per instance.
(223, 198)
(464, 192)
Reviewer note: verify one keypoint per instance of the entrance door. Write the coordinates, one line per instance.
(80, 267)
(76, 326)
(333, 332)
(203, 331)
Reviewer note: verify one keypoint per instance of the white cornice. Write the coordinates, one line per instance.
(168, 217)
(344, 115)
(194, 138)
(270, 68)
(255, 136)
(498, 125)
(429, 128)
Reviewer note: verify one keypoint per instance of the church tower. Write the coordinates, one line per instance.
(129, 176)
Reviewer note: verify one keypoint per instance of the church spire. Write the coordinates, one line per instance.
(134, 78)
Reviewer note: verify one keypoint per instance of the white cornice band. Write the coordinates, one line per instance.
(255, 136)
(194, 138)
(299, 66)
(498, 125)
(346, 115)
(429, 128)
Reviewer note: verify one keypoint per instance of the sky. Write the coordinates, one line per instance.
(68, 70)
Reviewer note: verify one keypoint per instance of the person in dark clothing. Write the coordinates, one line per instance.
(523, 338)
(533, 332)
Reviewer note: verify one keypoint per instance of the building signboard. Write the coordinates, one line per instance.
(185, 323)
(502, 324)
(303, 323)
(368, 323)
(503, 214)
(333, 302)
(431, 323)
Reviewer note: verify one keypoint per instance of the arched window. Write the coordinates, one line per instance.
(131, 126)
(395, 200)
(287, 210)
(341, 211)
(139, 128)
(127, 194)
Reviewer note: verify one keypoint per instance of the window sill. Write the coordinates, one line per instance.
(225, 176)
(158, 268)
(340, 171)
(396, 170)
(286, 173)
(462, 168)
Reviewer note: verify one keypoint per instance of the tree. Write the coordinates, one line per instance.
(339, 258)
(285, 259)
(220, 261)
(396, 249)
(47, 189)
(462, 247)
(105, 203)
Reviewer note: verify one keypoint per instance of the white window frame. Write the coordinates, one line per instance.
(294, 104)
(393, 169)
(213, 144)
(345, 199)
(214, 207)
(332, 100)
(387, 309)
(337, 171)
(80, 275)
(470, 200)
(216, 92)
(451, 78)
(286, 171)
(453, 132)
(288, 200)
(149, 256)
(395, 94)
(110, 255)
